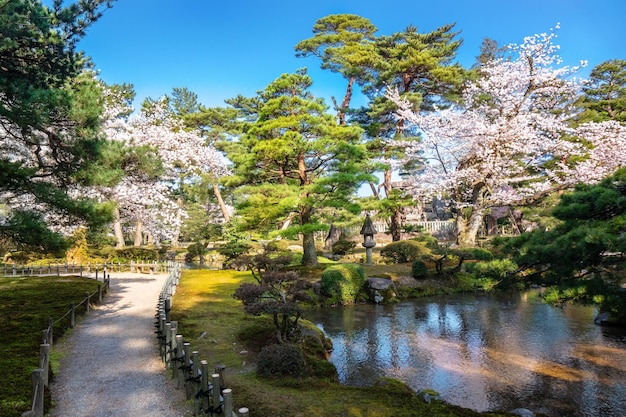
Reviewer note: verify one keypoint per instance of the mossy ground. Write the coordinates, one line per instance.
(26, 303)
(214, 324)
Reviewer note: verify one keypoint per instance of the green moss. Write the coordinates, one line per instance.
(342, 283)
(26, 303)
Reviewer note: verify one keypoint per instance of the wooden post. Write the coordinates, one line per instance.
(243, 412)
(58, 270)
(44, 362)
(204, 384)
(96, 273)
(168, 307)
(87, 302)
(99, 293)
(173, 349)
(50, 332)
(227, 394)
(177, 373)
(215, 389)
(168, 343)
(187, 373)
(220, 370)
(81, 270)
(37, 384)
(72, 315)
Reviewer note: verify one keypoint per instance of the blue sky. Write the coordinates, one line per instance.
(219, 49)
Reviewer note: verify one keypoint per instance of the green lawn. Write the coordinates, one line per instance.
(26, 303)
(210, 319)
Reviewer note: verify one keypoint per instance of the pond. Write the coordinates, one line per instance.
(485, 352)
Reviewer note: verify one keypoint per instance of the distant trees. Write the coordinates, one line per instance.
(604, 94)
(511, 143)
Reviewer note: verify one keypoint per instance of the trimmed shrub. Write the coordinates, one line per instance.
(277, 361)
(136, 253)
(479, 254)
(418, 270)
(195, 250)
(342, 246)
(403, 251)
(431, 242)
(341, 283)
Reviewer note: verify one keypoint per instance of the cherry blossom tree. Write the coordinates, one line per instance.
(512, 142)
(145, 196)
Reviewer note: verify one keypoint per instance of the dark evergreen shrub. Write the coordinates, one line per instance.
(342, 246)
(195, 250)
(418, 270)
(480, 254)
(341, 283)
(231, 250)
(137, 254)
(276, 361)
(402, 251)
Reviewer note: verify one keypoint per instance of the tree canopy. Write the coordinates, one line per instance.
(582, 256)
(49, 119)
(294, 161)
(511, 142)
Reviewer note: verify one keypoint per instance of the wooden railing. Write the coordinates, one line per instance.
(150, 267)
(39, 376)
(209, 391)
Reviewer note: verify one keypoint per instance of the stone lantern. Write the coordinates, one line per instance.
(368, 231)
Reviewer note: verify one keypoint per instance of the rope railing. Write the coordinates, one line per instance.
(208, 390)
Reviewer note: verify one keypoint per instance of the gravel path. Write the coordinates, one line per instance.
(111, 365)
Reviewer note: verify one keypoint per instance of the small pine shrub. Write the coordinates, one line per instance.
(195, 250)
(431, 242)
(492, 273)
(342, 283)
(231, 250)
(277, 361)
(403, 251)
(135, 253)
(480, 254)
(418, 269)
(342, 246)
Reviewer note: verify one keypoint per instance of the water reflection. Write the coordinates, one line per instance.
(485, 352)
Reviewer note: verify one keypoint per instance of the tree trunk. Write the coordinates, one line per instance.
(117, 229)
(220, 201)
(467, 228)
(176, 233)
(309, 255)
(138, 233)
(395, 220)
(333, 236)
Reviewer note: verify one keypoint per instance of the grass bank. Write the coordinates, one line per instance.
(26, 303)
(212, 321)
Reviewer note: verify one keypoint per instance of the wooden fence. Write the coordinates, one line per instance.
(209, 391)
(86, 269)
(39, 377)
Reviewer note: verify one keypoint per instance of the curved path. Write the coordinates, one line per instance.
(111, 365)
